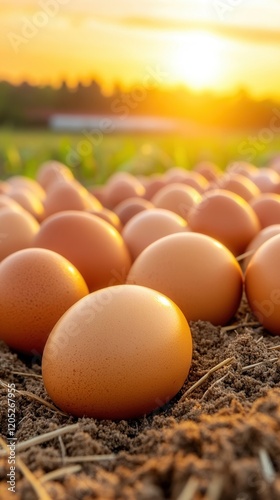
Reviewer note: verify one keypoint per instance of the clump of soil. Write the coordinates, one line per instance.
(219, 439)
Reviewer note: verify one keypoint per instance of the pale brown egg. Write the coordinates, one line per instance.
(209, 170)
(7, 202)
(178, 198)
(267, 208)
(51, 172)
(120, 187)
(264, 235)
(66, 195)
(239, 184)
(98, 192)
(130, 207)
(108, 216)
(262, 284)
(266, 179)
(189, 178)
(93, 246)
(242, 167)
(119, 353)
(29, 201)
(17, 230)
(175, 174)
(226, 217)
(4, 187)
(37, 286)
(149, 226)
(153, 185)
(274, 163)
(195, 271)
(19, 181)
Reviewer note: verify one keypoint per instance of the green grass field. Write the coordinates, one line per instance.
(94, 159)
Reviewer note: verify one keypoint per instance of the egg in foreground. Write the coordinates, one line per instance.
(119, 353)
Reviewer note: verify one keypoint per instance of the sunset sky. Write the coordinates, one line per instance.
(206, 44)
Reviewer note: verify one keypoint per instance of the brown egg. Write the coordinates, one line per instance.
(98, 192)
(130, 207)
(29, 201)
(242, 167)
(149, 226)
(266, 179)
(189, 178)
(119, 353)
(178, 198)
(267, 208)
(262, 284)
(226, 217)
(275, 164)
(51, 172)
(17, 231)
(36, 288)
(120, 187)
(4, 187)
(154, 184)
(66, 195)
(209, 170)
(93, 246)
(108, 216)
(264, 235)
(19, 181)
(239, 184)
(195, 271)
(7, 202)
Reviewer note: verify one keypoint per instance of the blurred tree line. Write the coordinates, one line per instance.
(27, 104)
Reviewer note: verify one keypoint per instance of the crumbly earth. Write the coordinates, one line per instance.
(220, 441)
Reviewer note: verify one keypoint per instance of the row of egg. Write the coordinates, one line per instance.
(172, 272)
(103, 252)
(203, 200)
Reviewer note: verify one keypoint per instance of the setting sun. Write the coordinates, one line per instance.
(50, 41)
(197, 60)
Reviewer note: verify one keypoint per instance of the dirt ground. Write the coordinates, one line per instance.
(217, 440)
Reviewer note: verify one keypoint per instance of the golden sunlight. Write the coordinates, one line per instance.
(197, 60)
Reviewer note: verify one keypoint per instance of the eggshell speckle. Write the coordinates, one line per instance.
(119, 353)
